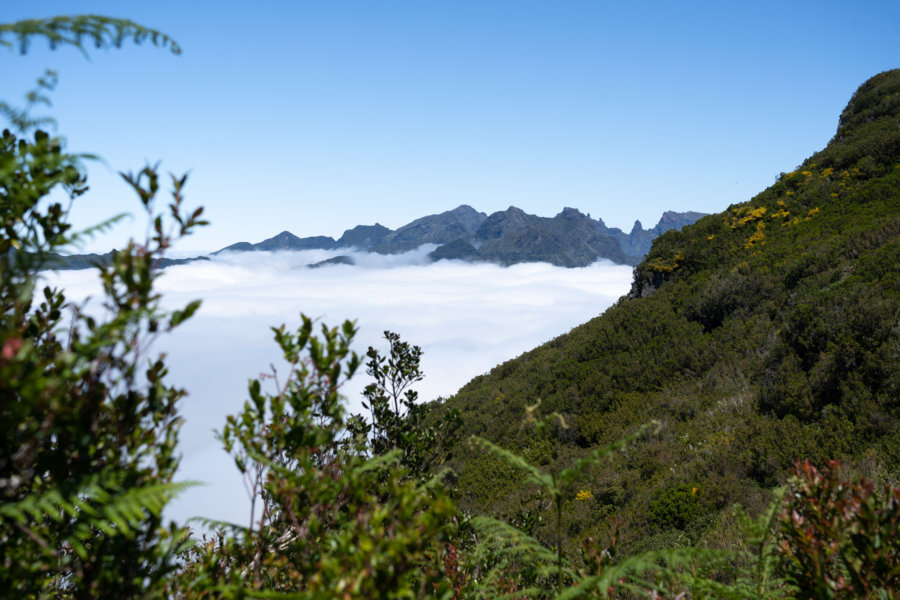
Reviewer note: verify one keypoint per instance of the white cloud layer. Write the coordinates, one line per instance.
(466, 317)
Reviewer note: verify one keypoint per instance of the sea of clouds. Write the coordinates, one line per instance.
(466, 317)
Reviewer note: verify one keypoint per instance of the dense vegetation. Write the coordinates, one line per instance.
(762, 335)
(746, 353)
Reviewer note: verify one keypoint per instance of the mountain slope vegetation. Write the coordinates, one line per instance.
(759, 336)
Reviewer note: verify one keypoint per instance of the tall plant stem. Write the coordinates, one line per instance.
(557, 498)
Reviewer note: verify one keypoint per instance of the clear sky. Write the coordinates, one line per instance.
(318, 116)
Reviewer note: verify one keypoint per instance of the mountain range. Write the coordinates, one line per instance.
(570, 239)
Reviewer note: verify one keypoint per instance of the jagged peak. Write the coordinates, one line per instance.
(571, 213)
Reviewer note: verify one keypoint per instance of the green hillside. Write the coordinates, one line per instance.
(760, 335)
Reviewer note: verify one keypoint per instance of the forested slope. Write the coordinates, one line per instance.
(760, 335)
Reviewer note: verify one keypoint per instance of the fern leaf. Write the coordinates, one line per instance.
(76, 31)
(534, 475)
(604, 453)
(213, 524)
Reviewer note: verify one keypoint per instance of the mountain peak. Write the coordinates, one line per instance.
(676, 220)
(878, 97)
(363, 236)
(464, 209)
(571, 213)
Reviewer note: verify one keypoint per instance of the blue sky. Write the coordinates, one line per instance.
(317, 116)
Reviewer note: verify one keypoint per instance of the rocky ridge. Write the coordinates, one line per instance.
(569, 239)
(507, 237)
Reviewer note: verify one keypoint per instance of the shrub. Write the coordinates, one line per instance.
(840, 539)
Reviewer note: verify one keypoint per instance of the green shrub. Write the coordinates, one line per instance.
(677, 507)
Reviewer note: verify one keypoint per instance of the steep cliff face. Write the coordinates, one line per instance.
(637, 243)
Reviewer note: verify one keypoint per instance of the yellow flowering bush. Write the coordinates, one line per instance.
(660, 265)
(743, 215)
(758, 237)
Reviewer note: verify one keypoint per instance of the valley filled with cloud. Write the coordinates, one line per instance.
(466, 317)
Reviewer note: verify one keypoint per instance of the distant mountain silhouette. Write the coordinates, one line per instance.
(570, 239)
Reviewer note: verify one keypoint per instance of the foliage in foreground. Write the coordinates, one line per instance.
(334, 518)
(89, 424)
(342, 507)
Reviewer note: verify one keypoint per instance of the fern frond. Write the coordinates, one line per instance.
(240, 591)
(380, 462)
(514, 543)
(534, 475)
(22, 119)
(100, 504)
(761, 535)
(505, 552)
(77, 239)
(77, 31)
(604, 453)
(214, 524)
(437, 479)
(657, 572)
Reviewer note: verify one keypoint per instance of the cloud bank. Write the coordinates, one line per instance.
(466, 317)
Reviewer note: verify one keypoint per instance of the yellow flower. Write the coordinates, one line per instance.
(758, 237)
(782, 210)
(584, 495)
